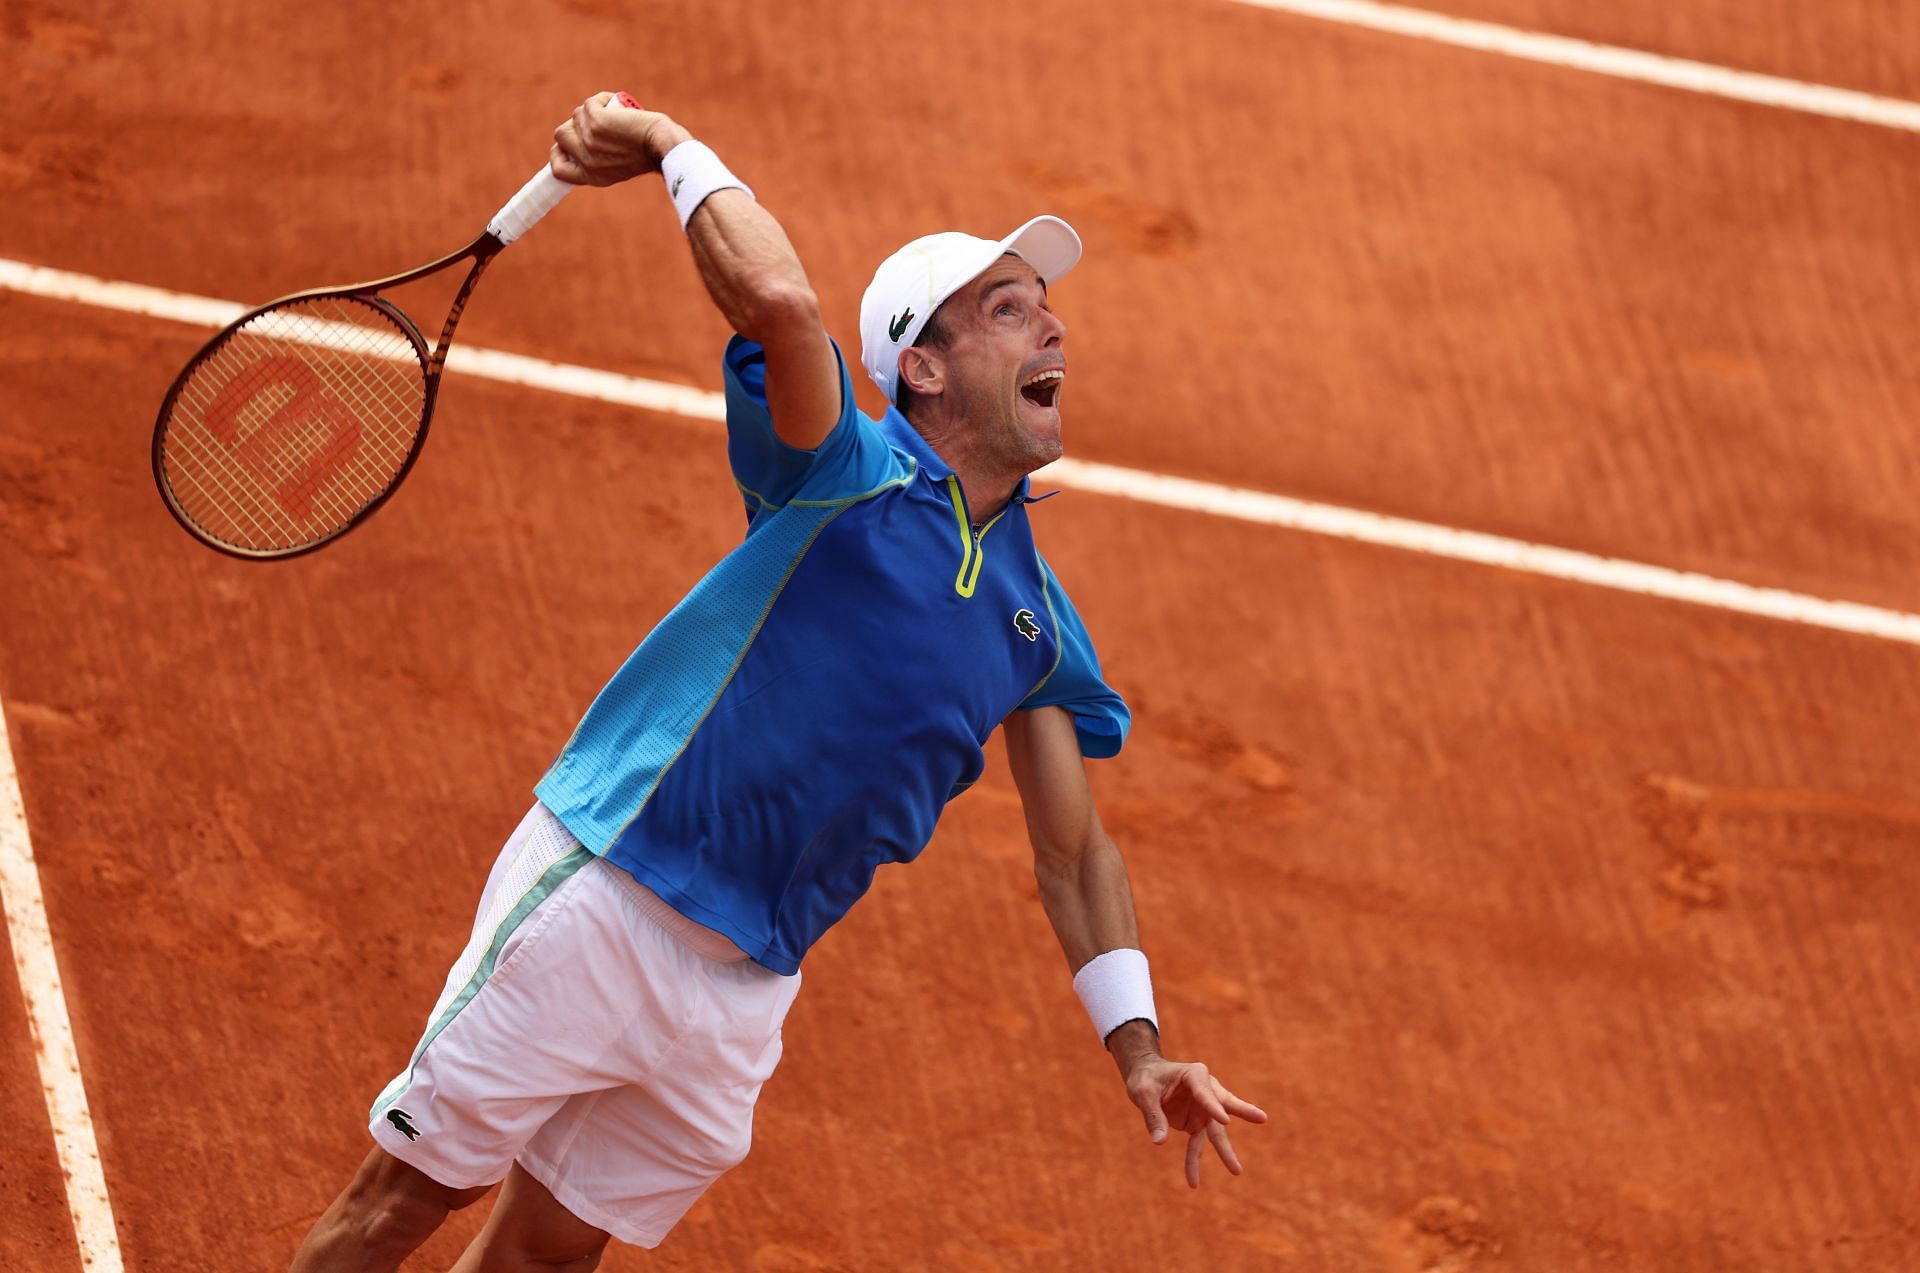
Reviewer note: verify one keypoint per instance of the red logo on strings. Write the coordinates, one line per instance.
(265, 450)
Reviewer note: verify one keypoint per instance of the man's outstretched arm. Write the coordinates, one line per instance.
(744, 257)
(1083, 886)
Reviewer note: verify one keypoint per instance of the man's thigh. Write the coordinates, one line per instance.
(632, 1159)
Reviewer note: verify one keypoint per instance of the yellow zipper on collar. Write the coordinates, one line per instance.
(971, 557)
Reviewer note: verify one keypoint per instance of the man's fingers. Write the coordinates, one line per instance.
(1237, 1107)
(1202, 1084)
(607, 105)
(1194, 1102)
(1224, 1147)
(567, 138)
(1156, 1119)
(564, 168)
(606, 130)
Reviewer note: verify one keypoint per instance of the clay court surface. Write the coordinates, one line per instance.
(1558, 928)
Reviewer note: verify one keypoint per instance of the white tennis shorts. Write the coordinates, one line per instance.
(589, 1032)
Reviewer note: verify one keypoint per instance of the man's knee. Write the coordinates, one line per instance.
(395, 1223)
(398, 1206)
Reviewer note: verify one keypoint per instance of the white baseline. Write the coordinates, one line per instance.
(53, 1049)
(1237, 503)
(1607, 59)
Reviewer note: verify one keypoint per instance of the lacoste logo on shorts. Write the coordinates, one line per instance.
(403, 1122)
(898, 326)
(1023, 624)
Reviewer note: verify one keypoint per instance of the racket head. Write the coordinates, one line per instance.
(294, 423)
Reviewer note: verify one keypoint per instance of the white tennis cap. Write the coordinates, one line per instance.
(911, 284)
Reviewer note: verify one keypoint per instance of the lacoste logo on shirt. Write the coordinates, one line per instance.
(898, 327)
(1023, 624)
(402, 1121)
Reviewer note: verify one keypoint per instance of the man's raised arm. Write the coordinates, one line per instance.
(744, 257)
(1083, 886)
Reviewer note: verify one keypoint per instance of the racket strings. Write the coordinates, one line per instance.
(276, 421)
(285, 432)
(276, 450)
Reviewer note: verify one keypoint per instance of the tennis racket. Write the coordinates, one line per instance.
(300, 418)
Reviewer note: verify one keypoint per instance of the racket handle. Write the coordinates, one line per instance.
(537, 198)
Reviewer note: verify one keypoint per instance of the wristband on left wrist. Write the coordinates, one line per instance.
(1115, 988)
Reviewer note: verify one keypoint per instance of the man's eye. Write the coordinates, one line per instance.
(1004, 309)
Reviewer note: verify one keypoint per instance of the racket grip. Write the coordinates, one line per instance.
(537, 198)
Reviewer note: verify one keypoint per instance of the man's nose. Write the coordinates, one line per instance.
(1056, 330)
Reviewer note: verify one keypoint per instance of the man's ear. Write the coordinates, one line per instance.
(923, 370)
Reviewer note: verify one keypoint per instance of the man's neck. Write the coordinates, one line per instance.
(986, 496)
(987, 486)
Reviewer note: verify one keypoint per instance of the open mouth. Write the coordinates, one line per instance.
(1043, 390)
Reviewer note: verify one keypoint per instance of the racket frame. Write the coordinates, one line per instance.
(433, 362)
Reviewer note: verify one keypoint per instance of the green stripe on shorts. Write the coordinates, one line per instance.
(539, 891)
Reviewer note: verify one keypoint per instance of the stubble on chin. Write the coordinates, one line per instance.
(1027, 450)
(1047, 450)
(1048, 446)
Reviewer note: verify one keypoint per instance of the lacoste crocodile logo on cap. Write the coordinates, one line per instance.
(402, 1121)
(1023, 624)
(898, 326)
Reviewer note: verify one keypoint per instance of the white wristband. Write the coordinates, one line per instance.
(1114, 988)
(693, 172)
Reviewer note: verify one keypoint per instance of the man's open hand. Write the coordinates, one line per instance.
(1182, 1096)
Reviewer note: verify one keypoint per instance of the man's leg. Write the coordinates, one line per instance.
(388, 1210)
(530, 1230)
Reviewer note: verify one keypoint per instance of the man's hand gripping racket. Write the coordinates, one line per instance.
(298, 420)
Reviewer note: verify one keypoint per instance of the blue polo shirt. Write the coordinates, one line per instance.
(807, 710)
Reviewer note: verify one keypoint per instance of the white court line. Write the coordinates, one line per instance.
(1607, 59)
(1486, 550)
(53, 1047)
(1107, 479)
(486, 364)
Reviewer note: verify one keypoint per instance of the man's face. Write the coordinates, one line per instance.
(1006, 367)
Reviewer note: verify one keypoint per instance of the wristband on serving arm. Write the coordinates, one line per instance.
(1114, 988)
(693, 172)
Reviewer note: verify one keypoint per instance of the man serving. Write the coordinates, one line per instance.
(799, 718)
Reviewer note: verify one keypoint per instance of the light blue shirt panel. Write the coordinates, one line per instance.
(1100, 716)
(643, 717)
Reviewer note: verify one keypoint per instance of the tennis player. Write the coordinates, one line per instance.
(801, 717)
